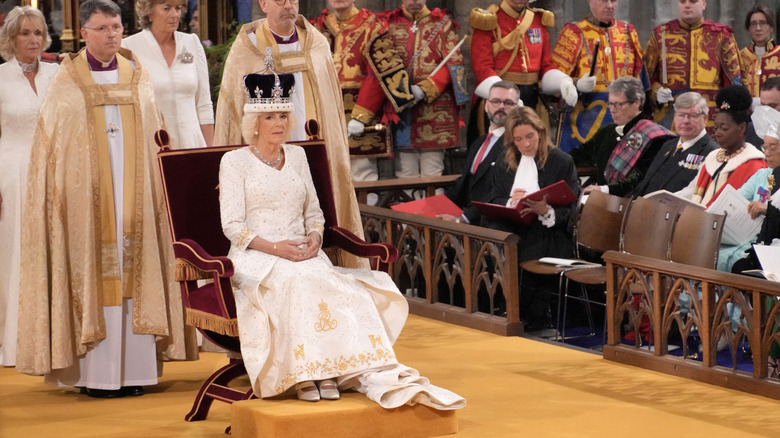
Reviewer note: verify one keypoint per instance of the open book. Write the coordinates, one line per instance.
(668, 198)
(769, 257)
(557, 194)
(739, 227)
(566, 262)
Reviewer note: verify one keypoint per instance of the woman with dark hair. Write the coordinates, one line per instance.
(736, 161)
(761, 59)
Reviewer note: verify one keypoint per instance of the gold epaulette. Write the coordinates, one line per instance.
(548, 18)
(484, 19)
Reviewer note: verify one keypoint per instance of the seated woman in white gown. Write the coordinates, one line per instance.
(302, 321)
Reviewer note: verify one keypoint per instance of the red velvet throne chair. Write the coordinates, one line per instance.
(190, 179)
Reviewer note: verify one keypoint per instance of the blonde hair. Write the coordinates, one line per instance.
(249, 125)
(518, 116)
(143, 8)
(13, 24)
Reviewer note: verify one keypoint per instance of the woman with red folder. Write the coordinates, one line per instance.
(530, 162)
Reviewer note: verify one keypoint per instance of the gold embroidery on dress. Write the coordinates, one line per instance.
(299, 354)
(375, 340)
(337, 365)
(325, 322)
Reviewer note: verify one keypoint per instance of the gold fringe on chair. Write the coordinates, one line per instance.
(211, 322)
(186, 271)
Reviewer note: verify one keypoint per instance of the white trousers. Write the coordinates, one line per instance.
(123, 358)
(415, 163)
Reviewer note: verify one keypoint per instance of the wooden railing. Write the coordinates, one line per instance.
(452, 272)
(393, 191)
(684, 304)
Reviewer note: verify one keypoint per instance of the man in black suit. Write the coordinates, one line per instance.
(678, 161)
(483, 155)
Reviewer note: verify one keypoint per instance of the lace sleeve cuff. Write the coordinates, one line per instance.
(245, 238)
(316, 226)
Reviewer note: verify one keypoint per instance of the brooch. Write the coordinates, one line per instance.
(185, 56)
(634, 140)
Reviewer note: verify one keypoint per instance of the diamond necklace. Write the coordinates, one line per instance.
(270, 163)
(28, 68)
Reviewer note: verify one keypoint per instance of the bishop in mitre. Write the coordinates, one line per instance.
(98, 295)
(292, 45)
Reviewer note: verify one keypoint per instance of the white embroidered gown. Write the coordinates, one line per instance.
(309, 320)
(182, 90)
(18, 116)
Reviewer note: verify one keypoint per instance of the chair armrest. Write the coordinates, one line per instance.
(194, 254)
(380, 254)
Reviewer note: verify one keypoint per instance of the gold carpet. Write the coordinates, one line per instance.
(514, 386)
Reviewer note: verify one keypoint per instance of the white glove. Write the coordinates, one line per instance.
(569, 91)
(418, 92)
(355, 128)
(586, 84)
(664, 95)
(483, 89)
(556, 81)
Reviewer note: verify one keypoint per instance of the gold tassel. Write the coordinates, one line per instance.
(186, 271)
(211, 322)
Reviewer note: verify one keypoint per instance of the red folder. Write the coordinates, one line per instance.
(430, 206)
(557, 194)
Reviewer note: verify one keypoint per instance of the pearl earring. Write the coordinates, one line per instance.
(257, 133)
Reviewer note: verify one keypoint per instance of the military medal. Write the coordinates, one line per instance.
(111, 130)
(534, 36)
(414, 27)
(185, 57)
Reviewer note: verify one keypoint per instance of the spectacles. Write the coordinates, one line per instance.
(282, 2)
(506, 103)
(759, 24)
(617, 105)
(688, 116)
(105, 30)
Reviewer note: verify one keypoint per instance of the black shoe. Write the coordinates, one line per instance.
(133, 391)
(105, 393)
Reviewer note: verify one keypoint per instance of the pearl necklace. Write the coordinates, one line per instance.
(28, 68)
(270, 163)
(722, 157)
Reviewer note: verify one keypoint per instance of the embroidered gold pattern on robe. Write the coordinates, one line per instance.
(325, 322)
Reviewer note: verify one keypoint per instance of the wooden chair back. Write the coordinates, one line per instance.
(696, 238)
(647, 228)
(599, 221)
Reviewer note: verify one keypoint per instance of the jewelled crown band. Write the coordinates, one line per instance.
(268, 92)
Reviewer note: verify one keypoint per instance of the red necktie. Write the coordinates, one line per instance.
(481, 153)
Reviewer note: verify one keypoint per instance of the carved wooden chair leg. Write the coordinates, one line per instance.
(215, 388)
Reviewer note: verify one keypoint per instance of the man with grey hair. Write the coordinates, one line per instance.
(98, 294)
(679, 160)
(622, 151)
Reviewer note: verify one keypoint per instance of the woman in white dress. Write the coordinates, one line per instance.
(304, 323)
(177, 65)
(23, 82)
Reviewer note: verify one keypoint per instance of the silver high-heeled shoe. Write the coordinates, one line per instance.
(307, 391)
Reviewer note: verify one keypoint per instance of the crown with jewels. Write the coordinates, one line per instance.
(268, 92)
